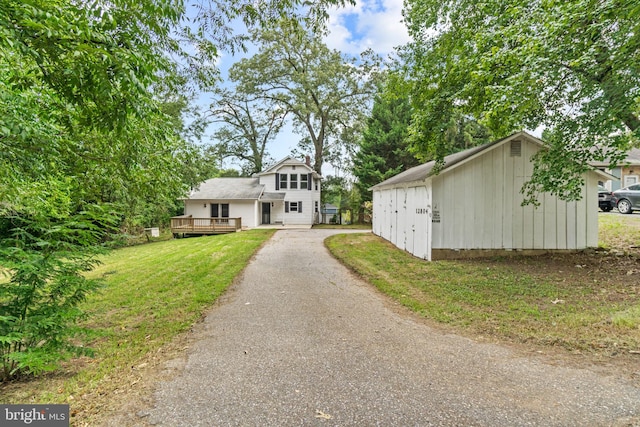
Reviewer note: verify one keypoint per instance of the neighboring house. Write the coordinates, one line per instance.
(288, 193)
(473, 206)
(627, 172)
(330, 214)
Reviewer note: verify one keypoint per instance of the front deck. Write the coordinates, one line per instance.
(186, 224)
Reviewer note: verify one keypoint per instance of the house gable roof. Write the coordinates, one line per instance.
(424, 171)
(289, 160)
(632, 159)
(228, 189)
(244, 188)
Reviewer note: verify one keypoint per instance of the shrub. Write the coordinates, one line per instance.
(43, 258)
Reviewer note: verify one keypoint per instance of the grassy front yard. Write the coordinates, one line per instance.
(151, 294)
(585, 303)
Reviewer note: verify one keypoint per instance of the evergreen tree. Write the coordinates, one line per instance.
(384, 149)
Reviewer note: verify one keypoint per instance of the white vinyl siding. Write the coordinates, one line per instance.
(297, 180)
(245, 209)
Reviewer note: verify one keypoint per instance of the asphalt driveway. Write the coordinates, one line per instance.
(300, 341)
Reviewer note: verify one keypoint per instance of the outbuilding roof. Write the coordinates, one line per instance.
(228, 189)
(424, 171)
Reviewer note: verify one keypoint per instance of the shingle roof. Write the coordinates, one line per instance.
(289, 160)
(425, 170)
(228, 189)
(632, 158)
(272, 196)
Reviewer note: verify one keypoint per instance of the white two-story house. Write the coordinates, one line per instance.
(287, 193)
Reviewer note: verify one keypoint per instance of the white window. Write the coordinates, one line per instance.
(304, 182)
(283, 181)
(294, 181)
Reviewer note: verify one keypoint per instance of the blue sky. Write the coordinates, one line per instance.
(367, 24)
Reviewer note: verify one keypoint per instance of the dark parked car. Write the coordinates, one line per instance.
(627, 199)
(605, 199)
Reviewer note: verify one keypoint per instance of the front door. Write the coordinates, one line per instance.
(266, 213)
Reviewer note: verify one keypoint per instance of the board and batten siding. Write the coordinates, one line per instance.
(403, 217)
(479, 205)
(476, 205)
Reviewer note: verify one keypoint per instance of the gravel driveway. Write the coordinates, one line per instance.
(300, 341)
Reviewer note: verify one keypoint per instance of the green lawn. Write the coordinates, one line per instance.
(588, 303)
(151, 293)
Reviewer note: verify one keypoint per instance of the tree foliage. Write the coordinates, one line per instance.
(384, 150)
(83, 144)
(325, 92)
(248, 125)
(570, 66)
(91, 140)
(45, 248)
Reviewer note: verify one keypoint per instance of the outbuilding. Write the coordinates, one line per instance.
(473, 206)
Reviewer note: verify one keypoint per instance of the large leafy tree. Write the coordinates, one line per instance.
(247, 127)
(325, 92)
(570, 66)
(88, 142)
(82, 142)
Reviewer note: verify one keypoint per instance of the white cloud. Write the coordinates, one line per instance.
(367, 24)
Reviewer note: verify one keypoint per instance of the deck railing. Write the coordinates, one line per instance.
(186, 224)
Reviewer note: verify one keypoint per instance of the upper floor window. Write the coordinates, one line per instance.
(283, 181)
(304, 182)
(294, 181)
